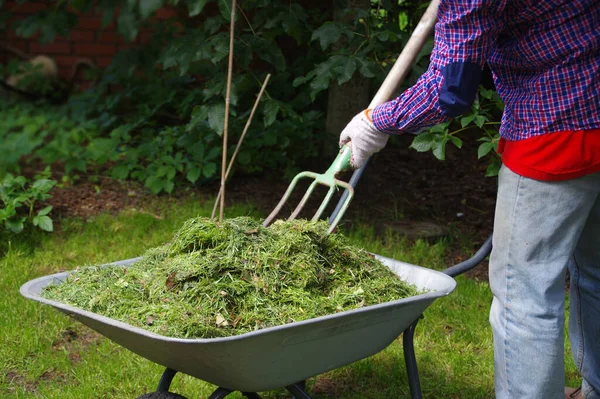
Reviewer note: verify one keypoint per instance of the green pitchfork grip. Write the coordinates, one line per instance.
(340, 163)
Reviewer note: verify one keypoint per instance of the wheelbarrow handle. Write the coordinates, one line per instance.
(472, 262)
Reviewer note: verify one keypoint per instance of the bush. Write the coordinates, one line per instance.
(19, 197)
(156, 114)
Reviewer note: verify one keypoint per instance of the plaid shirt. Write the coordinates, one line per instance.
(545, 59)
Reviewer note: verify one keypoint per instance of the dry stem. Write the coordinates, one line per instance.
(227, 98)
(237, 148)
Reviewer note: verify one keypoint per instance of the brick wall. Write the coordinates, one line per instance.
(88, 40)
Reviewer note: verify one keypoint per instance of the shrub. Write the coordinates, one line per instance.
(19, 197)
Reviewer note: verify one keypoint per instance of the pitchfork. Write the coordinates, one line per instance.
(342, 162)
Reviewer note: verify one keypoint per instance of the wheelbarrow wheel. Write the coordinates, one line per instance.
(161, 395)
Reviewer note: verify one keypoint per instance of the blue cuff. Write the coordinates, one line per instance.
(459, 87)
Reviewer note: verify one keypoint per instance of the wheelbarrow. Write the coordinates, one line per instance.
(282, 356)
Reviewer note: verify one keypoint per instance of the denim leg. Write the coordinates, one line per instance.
(584, 323)
(537, 226)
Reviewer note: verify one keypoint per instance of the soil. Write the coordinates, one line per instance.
(74, 341)
(401, 189)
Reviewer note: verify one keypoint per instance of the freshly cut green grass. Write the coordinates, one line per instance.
(45, 354)
(217, 279)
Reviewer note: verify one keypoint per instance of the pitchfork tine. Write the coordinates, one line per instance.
(303, 201)
(282, 201)
(324, 203)
(342, 162)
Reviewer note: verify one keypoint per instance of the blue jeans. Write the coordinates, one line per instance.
(541, 229)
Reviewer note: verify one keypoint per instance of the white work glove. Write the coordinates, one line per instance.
(363, 138)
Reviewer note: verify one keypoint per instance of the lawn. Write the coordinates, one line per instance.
(45, 354)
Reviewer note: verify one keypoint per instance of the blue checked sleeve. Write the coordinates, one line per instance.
(465, 36)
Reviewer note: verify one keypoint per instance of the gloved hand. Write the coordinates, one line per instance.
(363, 137)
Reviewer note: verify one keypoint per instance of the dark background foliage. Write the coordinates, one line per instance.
(156, 113)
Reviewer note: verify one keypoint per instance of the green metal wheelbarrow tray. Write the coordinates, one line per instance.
(281, 356)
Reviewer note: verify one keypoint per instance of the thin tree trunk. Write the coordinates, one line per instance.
(346, 100)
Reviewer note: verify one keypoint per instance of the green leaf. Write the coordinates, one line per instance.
(327, 34)
(199, 114)
(319, 84)
(74, 164)
(171, 172)
(484, 149)
(486, 93)
(273, 56)
(167, 171)
(213, 24)
(169, 185)
(423, 142)
(402, 20)
(366, 68)
(464, 121)
(196, 7)
(147, 7)
(439, 148)
(493, 169)
(43, 184)
(220, 48)
(440, 128)
(15, 225)
(346, 71)
(271, 109)
(45, 211)
(225, 8)
(26, 30)
(162, 171)
(216, 118)
(100, 149)
(193, 174)
(213, 153)
(7, 213)
(197, 150)
(155, 184)
(216, 88)
(127, 24)
(209, 169)
(456, 141)
(300, 80)
(120, 172)
(480, 120)
(43, 222)
(139, 174)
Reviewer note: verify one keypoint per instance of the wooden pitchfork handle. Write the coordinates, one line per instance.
(395, 77)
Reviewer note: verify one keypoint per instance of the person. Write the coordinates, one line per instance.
(545, 60)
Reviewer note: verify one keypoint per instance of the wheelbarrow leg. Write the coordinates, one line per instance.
(251, 395)
(298, 390)
(411, 361)
(220, 393)
(165, 381)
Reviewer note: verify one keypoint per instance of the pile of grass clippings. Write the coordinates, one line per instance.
(222, 279)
